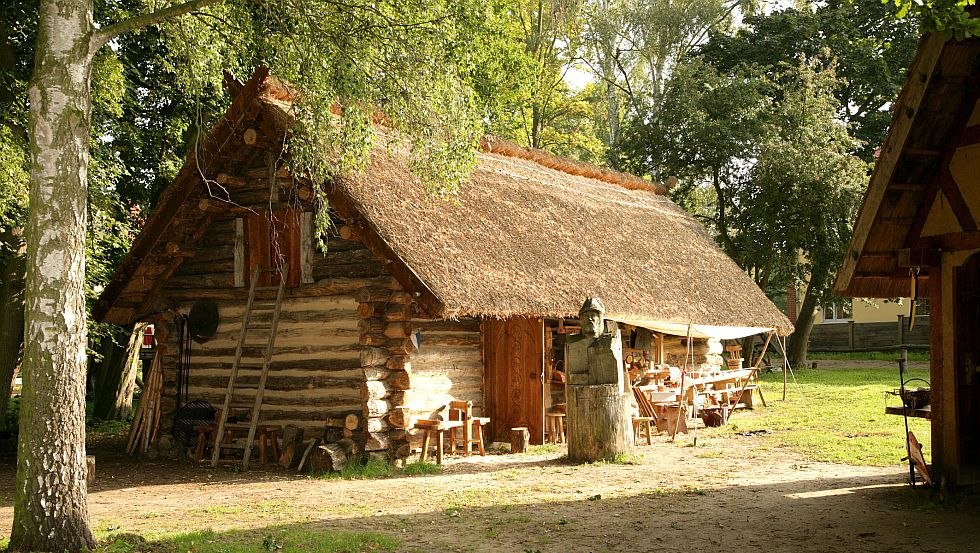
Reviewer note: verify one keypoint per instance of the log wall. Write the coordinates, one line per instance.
(344, 346)
(323, 365)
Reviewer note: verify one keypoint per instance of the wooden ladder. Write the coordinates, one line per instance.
(251, 307)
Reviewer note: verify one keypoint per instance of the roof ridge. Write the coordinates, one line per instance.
(501, 146)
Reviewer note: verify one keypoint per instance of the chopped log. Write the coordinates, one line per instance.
(310, 446)
(376, 373)
(399, 362)
(376, 408)
(292, 438)
(398, 329)
(374, 356)
(519, 438)
(225, 179)
(347, 433)
(352, 421)
(377, 425)
(329, 457)
(377, 441)
(335, 422)
(400, 417)
(90, 470)
(373, 325)
(250, 137)
(349, 446)
(374, 294)
(599, 425)
(333, 434)
(374, 389)
(400, 380)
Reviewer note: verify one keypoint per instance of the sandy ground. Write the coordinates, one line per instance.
(727, 494)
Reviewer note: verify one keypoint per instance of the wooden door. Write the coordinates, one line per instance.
(512, 354)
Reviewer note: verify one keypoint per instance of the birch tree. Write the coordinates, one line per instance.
(410, 59)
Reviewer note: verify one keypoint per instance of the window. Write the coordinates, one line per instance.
(281, 239)
(837, 311)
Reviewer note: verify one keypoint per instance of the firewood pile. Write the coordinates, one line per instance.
(146, 424)
(330, 452)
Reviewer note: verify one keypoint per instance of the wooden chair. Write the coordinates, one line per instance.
(472, 427)
(435, 428)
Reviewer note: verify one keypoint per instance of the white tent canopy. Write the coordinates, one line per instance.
(693, 329)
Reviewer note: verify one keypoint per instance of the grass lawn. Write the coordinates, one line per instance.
(867, 356)
(287, 539)
(834, 415)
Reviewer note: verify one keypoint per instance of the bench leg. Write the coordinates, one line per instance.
(441, 442)
(425, 445)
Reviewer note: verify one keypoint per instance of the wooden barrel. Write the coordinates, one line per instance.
(598, 423)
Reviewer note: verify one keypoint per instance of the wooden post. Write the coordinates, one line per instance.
(850, 335)
(901, 329)
(90, 470)
(599, 425)
(519, 438)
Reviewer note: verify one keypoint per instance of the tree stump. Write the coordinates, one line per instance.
(598, 420)
(519, 438)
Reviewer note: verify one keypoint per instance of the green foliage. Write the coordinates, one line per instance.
(946, 16)
(421, 468)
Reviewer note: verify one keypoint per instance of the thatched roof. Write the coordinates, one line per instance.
(526, 239)
(914, 207)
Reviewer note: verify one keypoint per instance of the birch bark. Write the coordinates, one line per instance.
(50, 509)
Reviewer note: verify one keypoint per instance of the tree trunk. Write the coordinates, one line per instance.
(11, 319)
(50, 506)
(599, 424)
(801, 330)
(117, 375)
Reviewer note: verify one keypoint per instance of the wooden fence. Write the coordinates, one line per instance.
(851, 336)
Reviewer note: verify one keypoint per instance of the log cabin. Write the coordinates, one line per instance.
(917, 233)
(416, 300)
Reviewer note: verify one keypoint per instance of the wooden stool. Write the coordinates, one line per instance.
(269, 438)
(430, 427)
(205, 439)
(556, 427)
(638, 424)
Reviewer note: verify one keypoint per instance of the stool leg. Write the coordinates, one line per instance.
(649, 433)
(425, 445)
(479, 438)
(440, 441)
(275, 446)
(262, 438)
(199, 450)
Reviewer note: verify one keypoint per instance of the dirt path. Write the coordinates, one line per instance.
(726, 495)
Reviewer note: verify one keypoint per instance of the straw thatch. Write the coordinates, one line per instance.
(530, 234)
(524, 239)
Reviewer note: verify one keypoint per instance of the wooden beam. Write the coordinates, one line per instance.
(952, 242)
(370, 237)
(956, 200)
(225, 179)
(907, 104)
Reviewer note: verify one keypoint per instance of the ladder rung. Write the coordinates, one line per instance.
(242, 405)
(246, 387)
(257, 288)
(260, 326)
(263, 306)
(251, 364)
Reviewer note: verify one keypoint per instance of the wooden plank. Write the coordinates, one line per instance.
(239, 252)
(306, 247)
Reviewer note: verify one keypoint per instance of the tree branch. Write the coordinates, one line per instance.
(145, 20)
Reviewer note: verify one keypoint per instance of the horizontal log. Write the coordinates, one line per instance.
(467, 324)
(374, 357)
(323, 384)
(377, 425)
(375, 373)
(399, 362)
(204, 365)
(376, 408)
(320, 288)
(222, 351)
(374, 389)
(397, 329)
(431, 340)
(199, 282)
(374, 325)
(386, 311)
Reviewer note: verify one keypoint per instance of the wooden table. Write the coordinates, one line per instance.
(921, 412)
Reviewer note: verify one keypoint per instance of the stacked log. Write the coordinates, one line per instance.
(385, 339)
